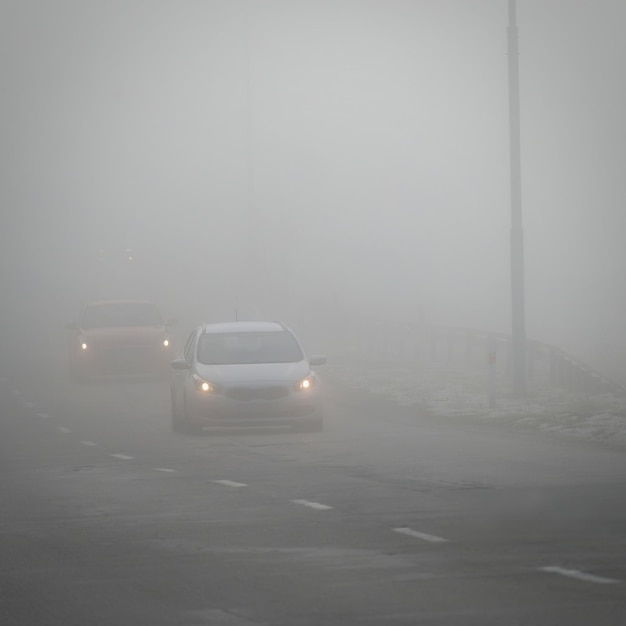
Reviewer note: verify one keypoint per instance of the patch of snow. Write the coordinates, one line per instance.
(441, 393)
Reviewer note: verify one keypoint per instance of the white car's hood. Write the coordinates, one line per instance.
(254, 372)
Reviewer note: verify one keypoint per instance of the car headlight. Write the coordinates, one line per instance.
(82, 343)
(203, 386)
(166, 343)
(307, 382)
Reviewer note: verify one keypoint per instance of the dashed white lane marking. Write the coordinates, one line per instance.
(163, 469)
(573, 573)
(418, 535)
(123, 457)
(63, 429)
(230, 483)
(44, 416)
(89, 443)
(313, 505)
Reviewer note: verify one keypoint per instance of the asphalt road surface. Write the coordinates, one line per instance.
(109, 518)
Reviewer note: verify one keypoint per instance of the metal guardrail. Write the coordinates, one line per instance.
(420, 345)
(545, 363)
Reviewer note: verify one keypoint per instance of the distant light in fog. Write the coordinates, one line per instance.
(166, 342)
(83, 345)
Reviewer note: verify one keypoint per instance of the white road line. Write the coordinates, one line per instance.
(44, 416)
(313, 505)
(230, 483)
(63, 429)
(29, 405)
(418, 535)
(123, 457)
(89, 443)
(572, 573)
(163, 469)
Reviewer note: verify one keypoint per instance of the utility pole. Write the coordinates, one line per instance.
(518, 328)
(254, 270)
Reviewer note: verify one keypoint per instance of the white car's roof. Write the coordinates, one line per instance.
(242, 327)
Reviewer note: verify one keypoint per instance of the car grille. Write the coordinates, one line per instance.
(257, 393)
(128, 358)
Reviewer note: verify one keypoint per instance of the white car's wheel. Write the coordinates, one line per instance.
(180, 423)
(177, 422)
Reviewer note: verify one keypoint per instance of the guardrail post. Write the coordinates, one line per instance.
(508, 368)
(530, 360)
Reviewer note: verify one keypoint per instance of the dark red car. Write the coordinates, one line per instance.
(120, 338)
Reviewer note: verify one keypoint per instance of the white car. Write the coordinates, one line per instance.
(245, 375)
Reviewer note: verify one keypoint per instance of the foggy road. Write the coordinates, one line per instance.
(349, 168)
(109, 517)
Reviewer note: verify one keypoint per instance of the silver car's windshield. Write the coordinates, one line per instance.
(248, 347)
(113, 314)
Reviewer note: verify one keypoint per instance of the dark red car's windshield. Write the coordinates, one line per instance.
(121, 314)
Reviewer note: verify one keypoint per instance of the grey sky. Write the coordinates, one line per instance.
(378, 138)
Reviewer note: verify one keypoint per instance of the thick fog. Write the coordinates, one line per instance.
(340, 156)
